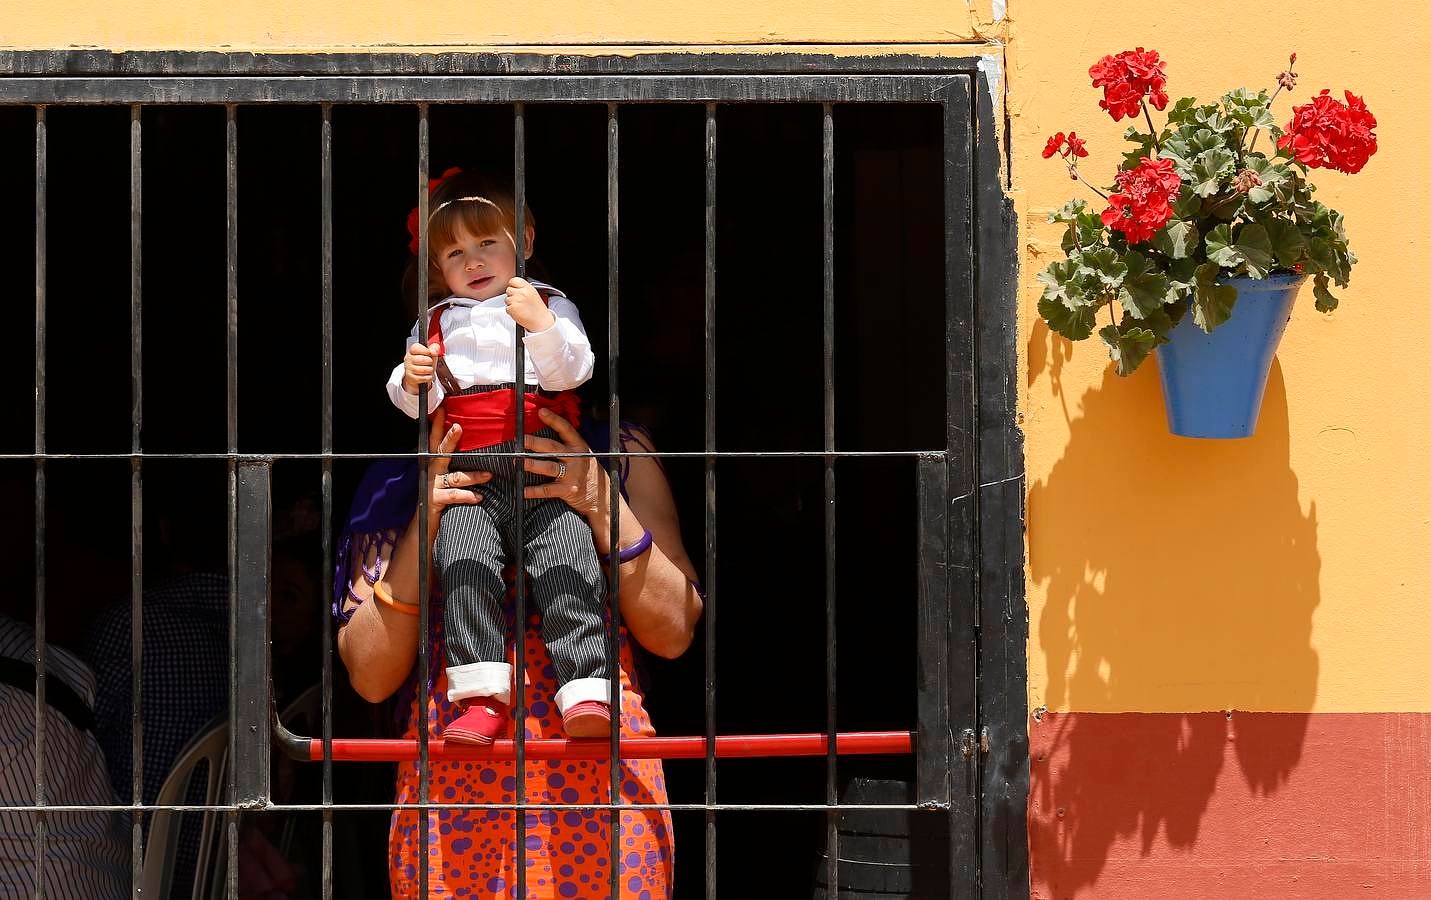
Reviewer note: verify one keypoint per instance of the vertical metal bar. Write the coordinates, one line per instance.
(41, 224)
(935, 758)
(136, 489)
(960, 425)
(231, 442)
(519, 190)
(832, 832)
(251, 729)
(424, 542)
(613, 331)
(710, 465)
(326, 445)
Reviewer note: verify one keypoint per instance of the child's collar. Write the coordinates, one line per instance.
(546, 290)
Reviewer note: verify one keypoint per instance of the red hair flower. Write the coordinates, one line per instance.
(1127, 78)
(1072, 145)
(1144, 200)
(1327, 133)
(432, 185)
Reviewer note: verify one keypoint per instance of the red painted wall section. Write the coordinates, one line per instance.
(1140, 805)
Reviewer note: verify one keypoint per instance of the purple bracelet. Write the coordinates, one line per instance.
(643, 543)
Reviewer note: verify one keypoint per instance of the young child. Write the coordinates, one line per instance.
(467, 361)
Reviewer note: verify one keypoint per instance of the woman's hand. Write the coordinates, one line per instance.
(447, 488)
(579, 480)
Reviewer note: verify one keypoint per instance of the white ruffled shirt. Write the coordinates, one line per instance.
(478, 340)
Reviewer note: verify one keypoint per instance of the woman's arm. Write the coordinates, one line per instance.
(379, 643)
(659, 602)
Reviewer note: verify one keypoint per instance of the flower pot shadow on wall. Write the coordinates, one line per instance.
(1213, 383)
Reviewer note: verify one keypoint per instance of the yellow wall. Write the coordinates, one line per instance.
(1287, 572)
(384, 24)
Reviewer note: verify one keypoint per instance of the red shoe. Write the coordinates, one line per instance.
(588, 719)
(482, 719)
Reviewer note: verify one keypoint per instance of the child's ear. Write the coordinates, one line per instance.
(530, 239)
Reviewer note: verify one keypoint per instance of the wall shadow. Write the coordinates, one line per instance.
(1180, 575)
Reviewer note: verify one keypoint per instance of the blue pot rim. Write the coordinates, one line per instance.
(1272, 282)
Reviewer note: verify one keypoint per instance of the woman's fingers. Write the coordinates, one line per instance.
(539, 444)
(564, 490)
(448, 444)
(548, 467)
(569, 435)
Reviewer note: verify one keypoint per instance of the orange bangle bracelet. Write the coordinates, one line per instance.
(380, 592)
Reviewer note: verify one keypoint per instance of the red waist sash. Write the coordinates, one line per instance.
(491, 417)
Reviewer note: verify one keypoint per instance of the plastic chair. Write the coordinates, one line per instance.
(206, 756)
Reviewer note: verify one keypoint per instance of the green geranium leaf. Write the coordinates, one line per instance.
(1128, 347)
(1204, 140)
(1160, 322)
(1325, 301)
(1182, 274)
(1248, 109)
(1144, 147)
(1209, 169)
(1107, 264)
(1188, 204)
(1256, 250)
(1178, 239)
(1211, 117)
(1085, 229)
(1175, 148)
(1274, 177)
(1181, 112)
(1070, 211)
(1061, 282)
(1145, 289)
(1220, 249)
(1288, 245)
(1212, 302)
(1074, 324)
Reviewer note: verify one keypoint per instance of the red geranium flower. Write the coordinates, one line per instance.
(1127, 78)
(1143, 202)
(1329, 134)
(1072, 145)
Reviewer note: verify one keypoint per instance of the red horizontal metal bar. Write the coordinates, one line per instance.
(849, 743)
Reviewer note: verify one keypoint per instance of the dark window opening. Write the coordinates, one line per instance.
(889, 389)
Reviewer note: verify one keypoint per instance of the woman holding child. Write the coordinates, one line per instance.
(472, 852)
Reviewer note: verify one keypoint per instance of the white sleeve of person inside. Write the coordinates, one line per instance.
(562, 353)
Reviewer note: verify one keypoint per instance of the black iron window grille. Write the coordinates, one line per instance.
(965, 491)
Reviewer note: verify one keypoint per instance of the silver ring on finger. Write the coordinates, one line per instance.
(446, 479)
(561, 471)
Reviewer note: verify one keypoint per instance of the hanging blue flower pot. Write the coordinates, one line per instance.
(1213, 383)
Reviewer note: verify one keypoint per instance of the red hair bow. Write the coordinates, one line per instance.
(412, 223)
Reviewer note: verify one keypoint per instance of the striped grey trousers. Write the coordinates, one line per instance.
(476, 542)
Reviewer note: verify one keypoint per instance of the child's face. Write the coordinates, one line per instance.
(479, 267)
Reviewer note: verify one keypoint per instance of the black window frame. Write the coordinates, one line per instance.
(972, 743)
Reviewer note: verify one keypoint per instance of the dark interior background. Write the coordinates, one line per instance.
(769, 386)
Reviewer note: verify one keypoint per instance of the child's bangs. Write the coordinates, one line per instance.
(474, 217)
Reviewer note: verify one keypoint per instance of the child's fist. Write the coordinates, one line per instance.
(525, 306)
(418, 365)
